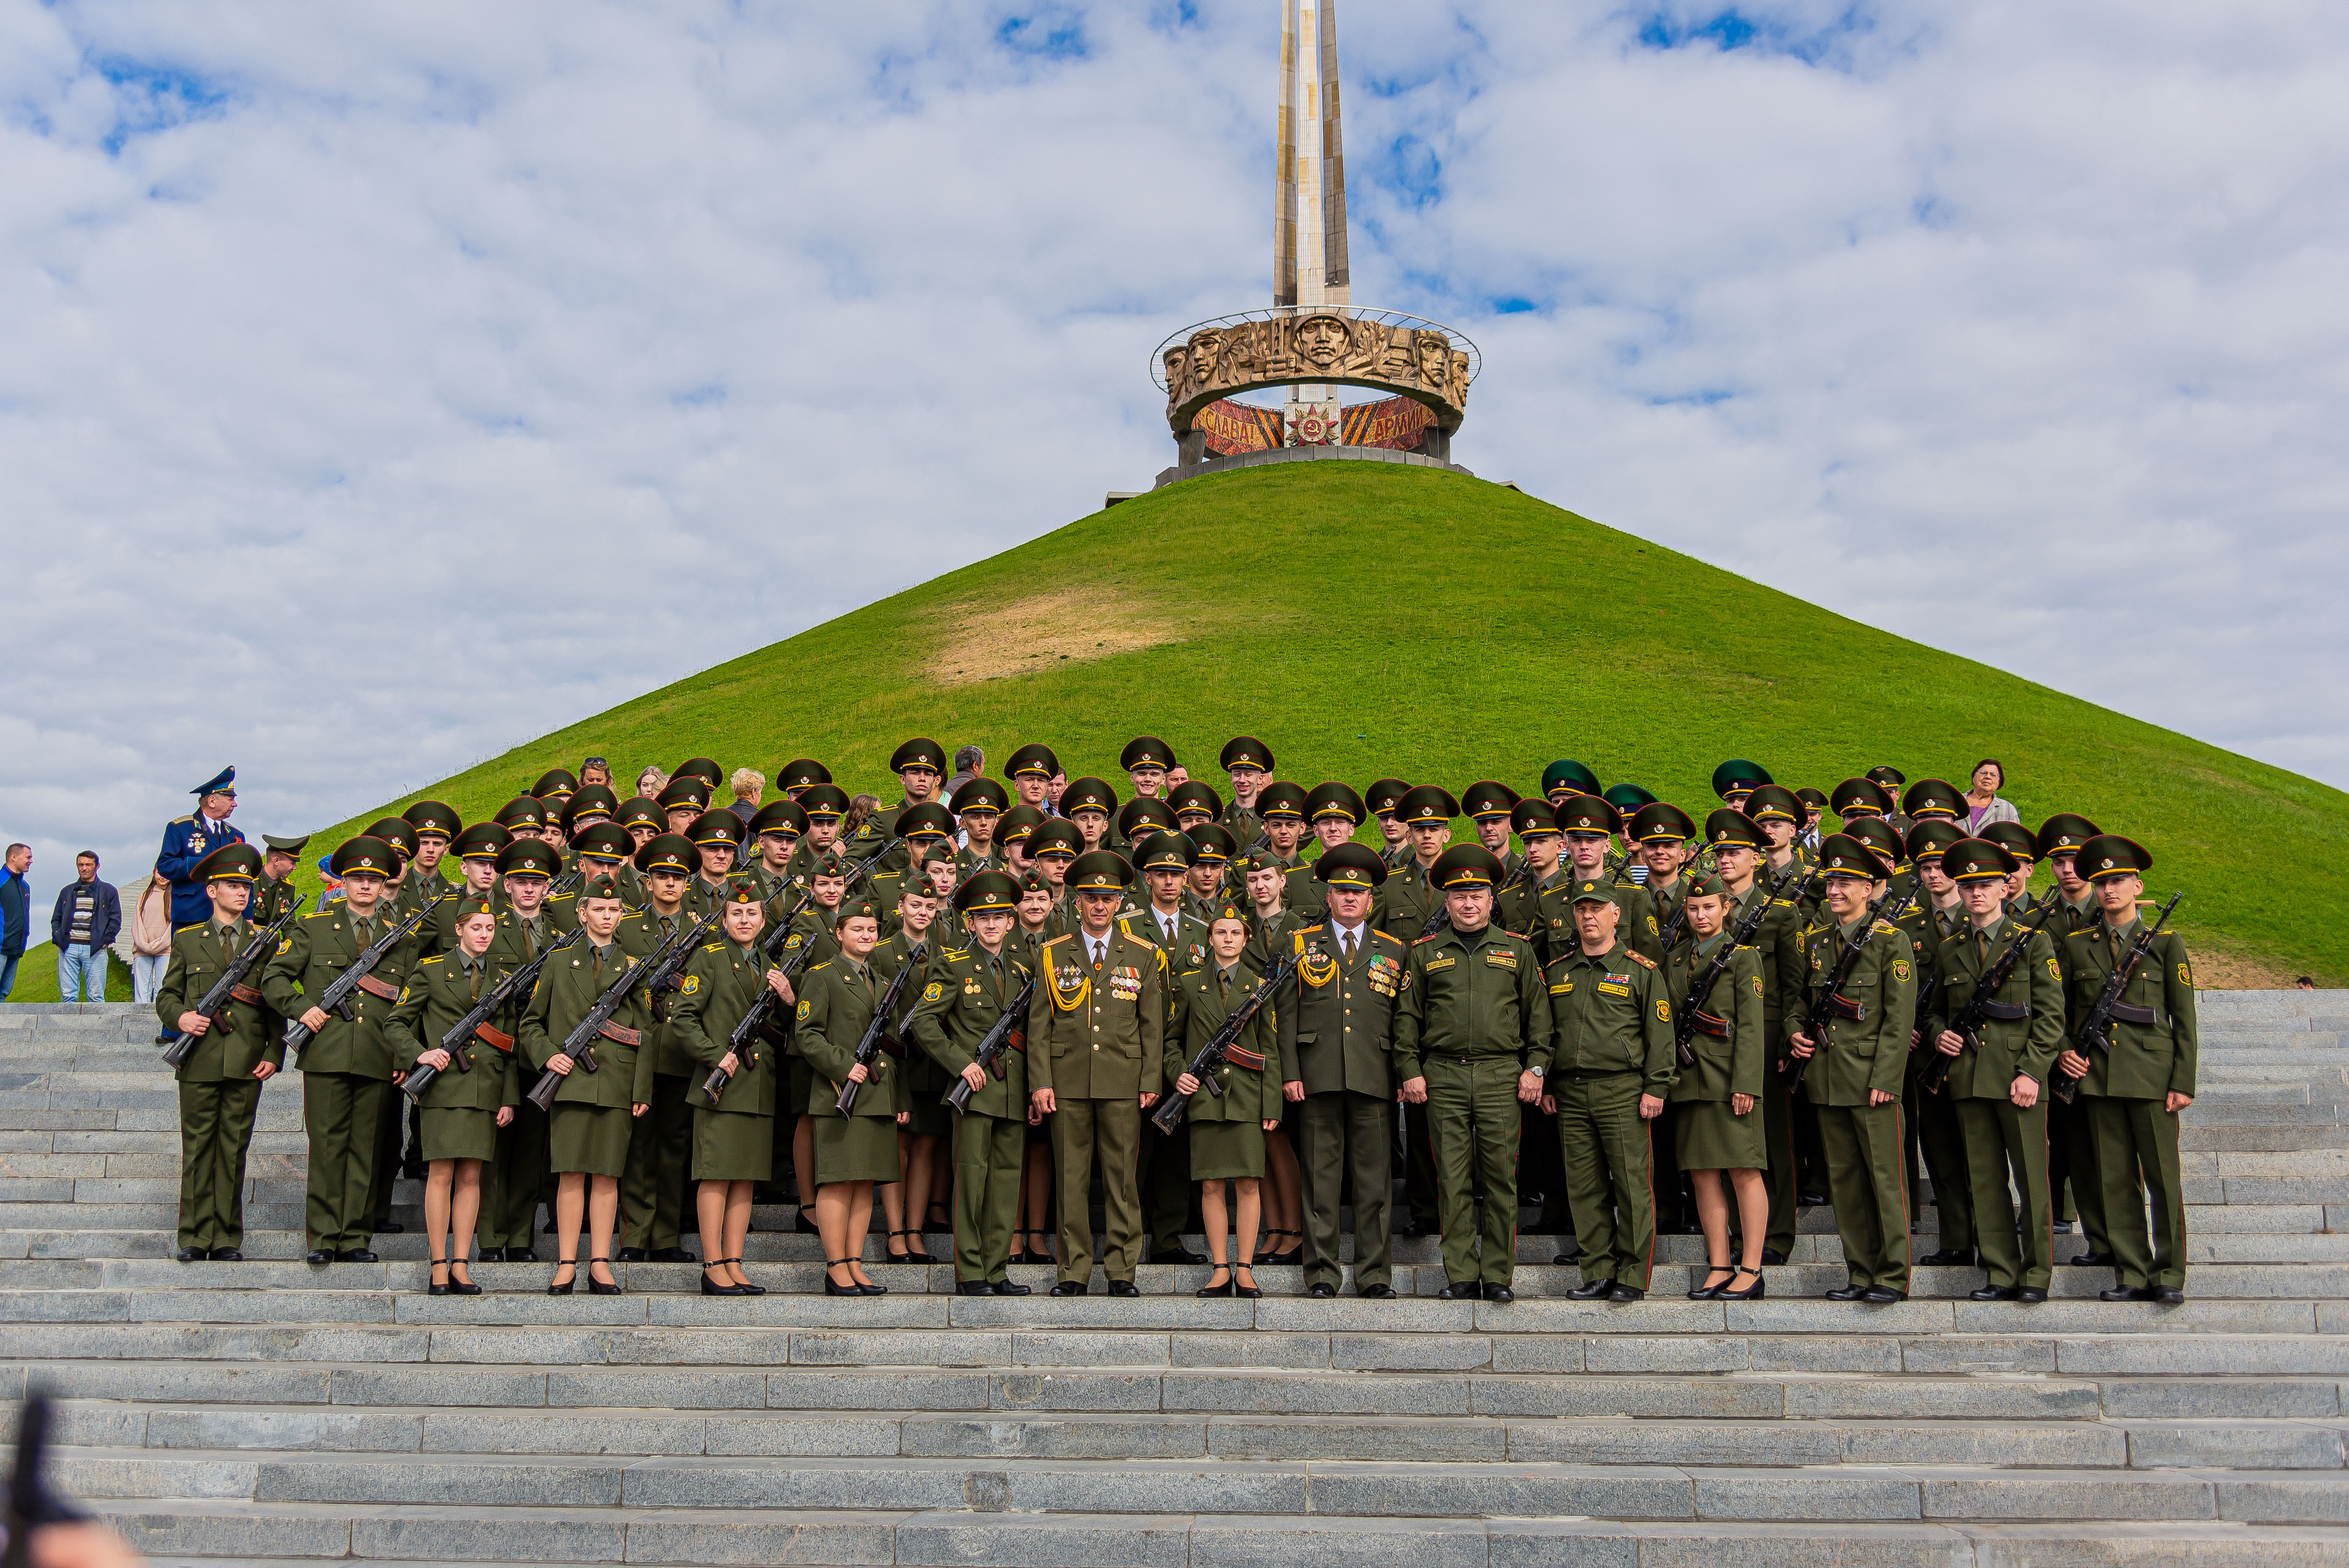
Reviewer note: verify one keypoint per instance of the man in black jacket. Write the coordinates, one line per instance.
(85, 922)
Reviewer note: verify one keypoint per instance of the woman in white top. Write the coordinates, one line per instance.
(150, 937)
(1983, 805)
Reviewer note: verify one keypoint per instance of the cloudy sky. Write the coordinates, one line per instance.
(381, 385)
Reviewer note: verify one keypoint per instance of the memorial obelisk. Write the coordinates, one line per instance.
(1309, 221)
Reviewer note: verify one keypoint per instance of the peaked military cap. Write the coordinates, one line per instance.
(800, 772)
(482, 841)
(1088, 794)
(529, 858)
(784, 816)
(1335, 800)
(396, 831)
(1487, 798)
(1841, 855)
(824, 801)
(1860, 796)
(1770, 803)
(704, 768)
(1889, 776)
(1878, 835)
(2014, 838)
(1589, 814)
(604, 842)
(593, 803)
(1142, 816)
(1928, 839)
(230, 863)
(1384, 796)
(2064, 831)
(1811, 799)
(1466, 866)
(982, 794)
(287, 846)
(714, 828)
(1034, 757)
(365, 854)
(1193, 795)
(1145, 751)
(1933, 798)
(743, 890)
(670, 852)
(1018, 823)
(640, 812)
(686, 795)
(1532, 818)
(1246, 751)
(220, 783)
(556, 784)
(926, 821)
(1978, 859)
(521, 811)
(1212, 842)
(1738, 777)
(433, 817)
(1568, 777)
(1427, 803)
(2110, 855)
(1165, 852)
(1100, 870)
(1730, 829)
(1661, 822)
(987, 893)
(1627, 797)
(1350, 865)
(919, 752)
(1280, 800)
(1057, 837)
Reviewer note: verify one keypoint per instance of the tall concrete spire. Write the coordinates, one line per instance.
(1308, 263)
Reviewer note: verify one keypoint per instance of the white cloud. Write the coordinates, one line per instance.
(355, 351)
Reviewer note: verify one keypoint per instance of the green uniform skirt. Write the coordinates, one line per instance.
(1706, 1137)
(799, 1083)
(855, 1149)
(732, 1146)
(928, 1115)
(593, 1139)
(459, 1132)
(1221, 1151)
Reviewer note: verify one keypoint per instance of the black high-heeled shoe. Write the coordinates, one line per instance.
(1212, 1288)
(438, 1286)
(1250, 1290)
(460, 1286)
(803, 1226)
(1758, 1291)
(565, 1287)
(1293, 1255)
(745, 1287)
(830, 1288)
(709, 1289)
(596, 1286)
(941, 1227)
(1045, 1256)
(866, 1287)
(915, 1252)
(1708, 1290)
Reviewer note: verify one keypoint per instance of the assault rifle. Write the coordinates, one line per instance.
(1692, 1017)
(2092, 1031)
(1832, 1004)
(579, 1045)
(1010, 1031)
(1671, 929)
(476, 1021)
(231, 986)
(1219, 1047)
(880, 1035)
(1985, 1003)
(360, 976)
(565, 884)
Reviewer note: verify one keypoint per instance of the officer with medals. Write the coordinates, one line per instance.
(189, 839)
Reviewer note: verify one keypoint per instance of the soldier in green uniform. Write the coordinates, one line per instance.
(517, 1182)
(1194, 804)
(1281, 806)
(400, 834)
(825, 806)
(275, 893)
(2019, 841)
(1247, 762)
(1225, 1147)
(1165, 860)
(2071, 1155)
(1383, 800)
(683, 801)
(1566, 778)
(473, 1093)
(1591, 825)
(1736, 780)
(524, 816)
(555, 784)
(660, 1143)
(2145, 1075)
(716, 843)
(1089, 805)
(1534, 823)
(237, 1050)
(594, 1113)
(920, 766)
(346, 1065)
(1471, 1037)
(1663, 831)
(1889, 779)
(1489, 803)
(969, 990)
(436, 824)
(1738, 843)
(1605, 1075)
(643, 820)
(1054, 847)
(1098, 1017)
(1856, 1088)
(1717, 1131)
(1998, 1080)
(775, 831)
(734, 1129)
(852, 1152)
(908, 1205)
(1414, 908)
(1206, 889)
(1137, 819)
(1935, 1131)
(1146, 760)
(1335, 1017)
(1164, 1178)
(1030, 771)
(979, 808)
(477, 848)
(1779, 814)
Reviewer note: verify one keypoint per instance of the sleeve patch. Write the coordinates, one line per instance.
(933, 991)
(2185, 976)
(2055, 972)
(1900, 970)
(1663, 1011)
(689, 985)
(285, 945)
(803, 1012)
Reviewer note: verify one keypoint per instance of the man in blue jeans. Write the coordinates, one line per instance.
(16, 913)
(85, 922)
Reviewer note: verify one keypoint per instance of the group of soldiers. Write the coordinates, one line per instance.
(628, 1012)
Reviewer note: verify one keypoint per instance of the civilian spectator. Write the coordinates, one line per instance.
(595, 770)
(150, 936)
(190, 839)
(84, 924)
(16, 913)
(969, 763)
(1054, 790)
(748, 786)
(1983, 806)
(650, 783)
(2305, 983)
(1179, 774)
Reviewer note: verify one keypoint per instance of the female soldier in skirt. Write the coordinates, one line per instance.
(1227, 1131)
(1714, 1126)
(733, 1129)
(855, 1151)
(472, 1095)
(587, 1132)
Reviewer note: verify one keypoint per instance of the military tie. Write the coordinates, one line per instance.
(473, 975)
(1224, 991)
(1350, 961)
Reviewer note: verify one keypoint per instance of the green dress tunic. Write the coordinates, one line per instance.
(590, 1119)
(734, 1134)
(835, 1005)
(459, 1112)
(1226, 1130)
(1706, 1134)
(924, 1086)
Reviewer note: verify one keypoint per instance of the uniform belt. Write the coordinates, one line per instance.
(375, 987)
(2128, 1014)
(1579, 1075)
(619, 1036)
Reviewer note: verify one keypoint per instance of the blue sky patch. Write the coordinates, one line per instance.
(1730, 28)
(152, 96)
(1049, 33)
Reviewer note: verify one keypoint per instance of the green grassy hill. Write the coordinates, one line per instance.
(1368, 619)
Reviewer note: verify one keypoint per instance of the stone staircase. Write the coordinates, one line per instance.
(269, 1412)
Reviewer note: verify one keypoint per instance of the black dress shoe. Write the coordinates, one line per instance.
(1590, 1290)
(1810, 1200)
(1846, 1293)
(1955, 1258)
(2091, 1260)
(2168, 1295)
(1625, 1293)
(227, 1256)
(1500, 1293)
(521, 1255)
(631, 1255)
(2031, 1296)
(493, 1255)
(973, 1287)
(320, 1258)
(1468, 1290)
(1707, 1292)
(1069, 1287)
(1123, 1287)
(361, 1256)
(1992, 1293)
(1882, 1295)
(1571, 1255)
(1772, 1258)
(389, 1228)
(1376, 1292)
(670, 1256)
(1005, 1288)
(1321, 1290)
(2124, 1292)
(1193, 1259)
(191, 1255)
